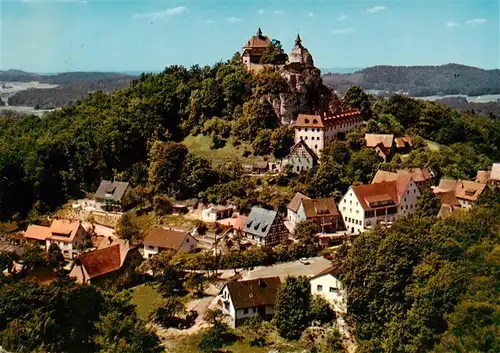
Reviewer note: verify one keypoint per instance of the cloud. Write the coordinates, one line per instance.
(452, 24)
(476, 21)
(376, 9)
(209, 22)
(161, 14)
(341, 18)
(343, 30)
(261, 11)
(278, 12)
(234, 19)
(310, 14)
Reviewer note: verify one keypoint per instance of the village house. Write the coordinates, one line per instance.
(465, 192)
(65, 233)
(323, 212)
(301, 158)
(403, 144)
(293, 208)
(161, 239)
(491, 177)
(319, 130)
(421, 176)
(247, 299)
(253, 50)
(327, 284)
(110, 194)
(183, 207)
(382, 144)
(107, 263)
(265, 227)
(381, 202)
(213, 214)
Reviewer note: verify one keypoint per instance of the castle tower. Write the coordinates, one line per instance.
(300, 54)
(254, 49)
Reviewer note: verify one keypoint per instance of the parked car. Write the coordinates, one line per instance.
(304, 261)
(191, 315)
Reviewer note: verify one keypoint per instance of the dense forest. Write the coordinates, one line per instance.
(421, 81)
(428, 286)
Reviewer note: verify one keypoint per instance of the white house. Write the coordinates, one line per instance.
(213, 214)
(320, 129)
(327, 285)
(383, 201)
(65, 233)
(293, 208)
(160, 239)
(246, 299)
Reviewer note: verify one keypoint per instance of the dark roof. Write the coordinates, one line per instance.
(165, 238)
(334, 270)
(111, 189)
(255, 292)
(320, 207)
(100, 262)
(259, 221)
(295, 203)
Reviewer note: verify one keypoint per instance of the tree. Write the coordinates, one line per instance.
(334, 342)
(306, 230)
(292, 305)
(32, 256)
(355, 97)
(428, 204)
(162, 205)
(274, 55)
(55, 256)
(217, 335)
(165, 168)
(282, 139)
(126, 229)
(261, 144)
(166, 314)
(320, 310)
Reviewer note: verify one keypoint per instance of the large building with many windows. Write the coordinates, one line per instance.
(320, 129)
(381, 202)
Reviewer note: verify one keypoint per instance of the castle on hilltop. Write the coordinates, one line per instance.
(255, 48)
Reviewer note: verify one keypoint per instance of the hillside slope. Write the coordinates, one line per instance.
(420, 81)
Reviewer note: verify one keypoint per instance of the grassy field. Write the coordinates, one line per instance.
(189, 344)
(145, 297)
(200, 145)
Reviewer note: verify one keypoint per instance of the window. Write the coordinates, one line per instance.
(151, 247)
(350, 202)
(319, 288)
(345, 200)
(298, 168)
(345, 219)
(298, 129)
(408, 192)
(187, 240)
(245, 311)
(344, 208)
(316, 146)
(305, 138)
(405, 201)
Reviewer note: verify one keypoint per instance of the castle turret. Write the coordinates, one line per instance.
(300, 54)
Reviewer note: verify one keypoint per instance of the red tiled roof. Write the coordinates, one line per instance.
(165, 238)
(334, 270)
(64, 230)
(102, 261)
(37, 232)
(295, 203)
(417, 174)
(364, 192)
(372, 140)
(402, 141)
(319, 121)
(319, 207)
(240, 222)
(257, 42)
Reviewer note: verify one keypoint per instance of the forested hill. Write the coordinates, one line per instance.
(71, 87)
(420, 81)
(61, 78)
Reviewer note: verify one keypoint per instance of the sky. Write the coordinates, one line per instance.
(48, 36)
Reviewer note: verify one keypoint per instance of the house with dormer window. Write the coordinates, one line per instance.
(265, 227)
(110, 194)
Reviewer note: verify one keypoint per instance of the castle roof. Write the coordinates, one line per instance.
(319, 121)
(257, 41)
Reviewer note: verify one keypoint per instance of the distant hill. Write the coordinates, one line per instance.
(420, 81)
(71, 87)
